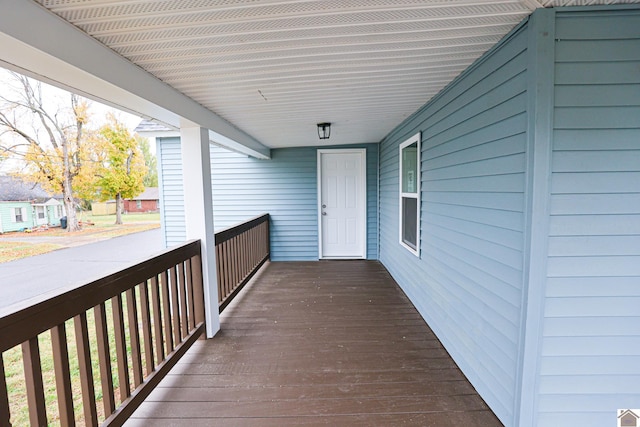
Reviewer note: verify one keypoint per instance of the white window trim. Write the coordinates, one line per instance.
(14, 216)
(415, 139)
(41, 209)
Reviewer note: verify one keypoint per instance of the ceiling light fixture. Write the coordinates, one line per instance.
(324, 130)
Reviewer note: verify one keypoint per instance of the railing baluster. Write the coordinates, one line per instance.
(175, 305)
(157, 320)
(230, 261)
(121, 347)
(198, 291)
(190, 298)
(33, 382)
(184, 315)
(242, 255)
(166, 311)
(236, 260)
(252, 248)
(5, 414)
(247, 251)
(134, 336)
(63, 374)
(86, 375)
(220, 272)
(104, 359)
(238, 244)
(146, 327)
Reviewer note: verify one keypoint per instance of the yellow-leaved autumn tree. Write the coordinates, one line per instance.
(122, 168)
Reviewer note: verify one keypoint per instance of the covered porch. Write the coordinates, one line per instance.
(334, 342)
(317, 343)
(522, 117)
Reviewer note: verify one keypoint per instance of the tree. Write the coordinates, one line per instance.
(52, 139)
(122, 169)
(151, 178)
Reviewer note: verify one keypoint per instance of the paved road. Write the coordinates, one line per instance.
(28, 280)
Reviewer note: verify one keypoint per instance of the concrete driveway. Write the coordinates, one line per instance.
(28, 280)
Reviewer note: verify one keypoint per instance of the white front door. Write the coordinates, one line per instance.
(342, 203)
(41, 215)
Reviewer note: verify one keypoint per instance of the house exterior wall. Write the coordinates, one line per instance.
(243, 187)
(171, 190)
(590, 353)
(7, 220)
(131, 206)
(468, 281)
(529, 268)
(54, 215)
(285, 187)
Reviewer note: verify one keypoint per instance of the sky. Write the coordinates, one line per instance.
(55, 96)
(99, 110)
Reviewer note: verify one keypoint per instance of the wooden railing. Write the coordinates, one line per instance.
(240, 251)
(151, 313)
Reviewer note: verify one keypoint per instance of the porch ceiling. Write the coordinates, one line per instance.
(275, 68)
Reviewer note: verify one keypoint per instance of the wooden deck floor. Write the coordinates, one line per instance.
(318, 343)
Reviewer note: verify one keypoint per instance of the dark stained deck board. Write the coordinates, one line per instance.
(318, 343)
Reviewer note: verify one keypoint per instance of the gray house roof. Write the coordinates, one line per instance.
(146, 126)
(13, 189)
(150, 193)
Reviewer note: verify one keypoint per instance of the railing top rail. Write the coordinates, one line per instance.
(22, 324)
(233, 231)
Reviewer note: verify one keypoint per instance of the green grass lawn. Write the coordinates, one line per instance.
(10, 251)
(109, 220)
(14, 371)
(102, 226)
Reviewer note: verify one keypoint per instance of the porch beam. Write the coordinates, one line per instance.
(198, 208)
(42, 45)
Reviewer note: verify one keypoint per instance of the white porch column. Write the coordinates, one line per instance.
(198, 212)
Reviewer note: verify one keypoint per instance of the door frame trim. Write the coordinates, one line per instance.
(363, 197)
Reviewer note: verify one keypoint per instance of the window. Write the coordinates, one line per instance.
(410, 194)
(40, 212)
(139, 204)
(18, 215)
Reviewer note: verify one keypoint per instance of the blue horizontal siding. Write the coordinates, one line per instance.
(6, 216)
(244, 187)
(286, 188)
(590, 363)
(468, 281)
(171, 190)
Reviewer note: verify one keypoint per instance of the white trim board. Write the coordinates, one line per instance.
(362, 203)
